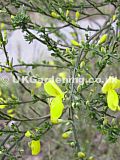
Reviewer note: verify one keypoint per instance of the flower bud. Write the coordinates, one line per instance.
(81, 155)
(103, 39)
(77, 15)
(91, 158)
(66, 135)
(54, 14)
(27, 134)
(75, 43)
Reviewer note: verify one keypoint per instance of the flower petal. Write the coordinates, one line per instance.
(52, 89)
(111, 83)
(56, 108)
(116, 83)
(112, 100)
(35, 147)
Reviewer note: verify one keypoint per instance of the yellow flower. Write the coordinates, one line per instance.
(35, 147)
(66, 135)
(112, 100)
(27, 134)
(56, 109)
(52, 89)
(111, 83)
(109, 88)
(102, 39)
(81, 155)
(56, 106)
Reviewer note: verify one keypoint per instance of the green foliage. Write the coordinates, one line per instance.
(80, 109)
(21, 19)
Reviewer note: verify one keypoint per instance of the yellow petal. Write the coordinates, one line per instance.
(111, 83)
(52, 89)
(112, 100)
(116, 83)
(107, 85)
(56, 108)
(102, 39)
(35, 147)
